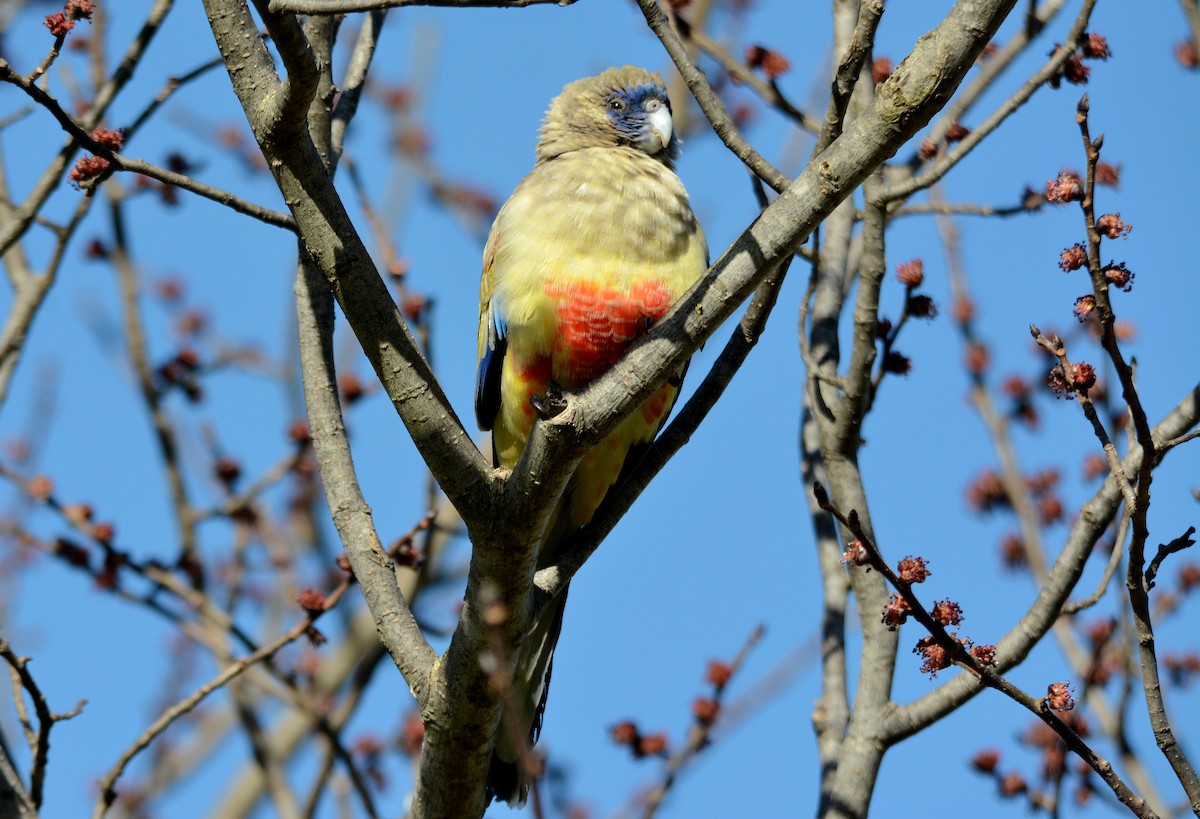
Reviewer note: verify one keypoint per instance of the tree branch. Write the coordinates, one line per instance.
(350, 6)
(108, 794)
(1091, 523)
(394, 620)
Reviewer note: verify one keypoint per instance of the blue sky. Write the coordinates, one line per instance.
(721, 541)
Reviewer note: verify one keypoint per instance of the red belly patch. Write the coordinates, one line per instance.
(597, 323)
(534, 378)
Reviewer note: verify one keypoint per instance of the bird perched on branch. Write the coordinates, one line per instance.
(593, 246)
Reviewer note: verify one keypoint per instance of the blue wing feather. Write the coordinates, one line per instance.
(487, 379)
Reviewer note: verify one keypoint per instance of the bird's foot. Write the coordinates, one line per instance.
(551, 404)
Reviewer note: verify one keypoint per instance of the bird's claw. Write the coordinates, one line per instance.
(549, 405)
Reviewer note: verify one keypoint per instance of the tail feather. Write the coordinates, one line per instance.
(508, 779)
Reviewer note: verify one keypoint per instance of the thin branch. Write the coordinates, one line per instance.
(173, 85)
(14, 798)
(108, 794)
(1182, 439)
(997, 424)
(849, 70)
(51, 178)
(48, 60)
(708, 100)
(1051, 69)
(30, 293)
(351, 515)
(242, 500)
(963, 209)
(350, 6)
(117, 161)
(738, 70)
(1056, 348)
(1135, 581)
(1164, 550)
(1114, 561)
(353, 82)
(956, 652)
(40, 741)
(139, 360)
(700, 736)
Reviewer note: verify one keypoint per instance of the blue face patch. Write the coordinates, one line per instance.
(627, 110)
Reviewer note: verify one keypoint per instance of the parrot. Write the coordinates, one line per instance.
(593, 246)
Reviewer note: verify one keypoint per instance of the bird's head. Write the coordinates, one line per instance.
(625, 106)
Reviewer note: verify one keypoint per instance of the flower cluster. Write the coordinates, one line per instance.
(772, 64)
(60, 23)
(911, 274)
(1112, 226)
(1073, 258)
(895, 613)
(1118, 275)
(89, 169)
(1077, 379)
(1066, 187)
(1093, 47)
(1058, 697)
(182, 371)
(881, 69)
(913, 570)
(641, 745)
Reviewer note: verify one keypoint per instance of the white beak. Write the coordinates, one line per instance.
(659, 133)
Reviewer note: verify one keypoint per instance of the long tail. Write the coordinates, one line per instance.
(508, 778)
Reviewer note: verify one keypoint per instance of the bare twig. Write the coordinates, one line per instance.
(1114, 561)
(119, 162)
(1056, 348)
(351, 515)
(957, 652)
(849, 68)
(108, 792)
(1135, 581)
(173, 84)
(39, 739)
(701, 733)
(139, 360)
(1041, 77)
(1164, 549)
(996, 423)
(350, 6)
(768, 90)
(707, 99)
(963, 209)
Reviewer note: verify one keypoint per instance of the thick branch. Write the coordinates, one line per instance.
(333, 244)
(397, 627)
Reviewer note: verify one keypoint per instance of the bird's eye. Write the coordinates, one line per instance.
(616, 104)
